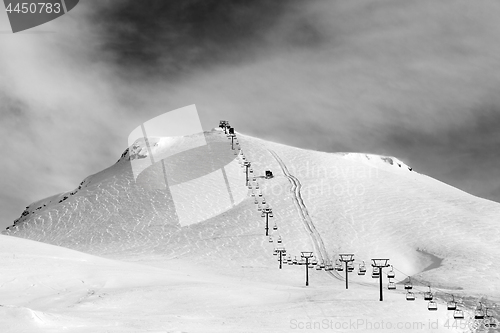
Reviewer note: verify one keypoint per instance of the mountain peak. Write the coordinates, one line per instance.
(191, 201)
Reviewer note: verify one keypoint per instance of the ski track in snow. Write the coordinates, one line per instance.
(308, 223)
(302, 209)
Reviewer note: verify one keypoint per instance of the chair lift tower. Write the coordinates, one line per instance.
(232, 136)
(247, 165)
(307, 255)
(380, 263)
(267, 212)
(281, 251)
(347, 258)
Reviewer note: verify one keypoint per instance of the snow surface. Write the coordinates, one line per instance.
(142, 269)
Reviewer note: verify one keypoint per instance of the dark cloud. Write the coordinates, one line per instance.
(13, 109)
(177, 37)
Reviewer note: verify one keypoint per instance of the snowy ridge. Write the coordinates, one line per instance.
(378, 161)
(40, 205)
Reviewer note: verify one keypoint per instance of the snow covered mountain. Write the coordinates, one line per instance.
(194, 213)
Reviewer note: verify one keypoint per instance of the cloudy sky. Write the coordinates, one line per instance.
(419, 80)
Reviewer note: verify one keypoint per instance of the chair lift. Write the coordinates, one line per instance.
(314, 261)
(270, 239)
(275, 252)
(489, 321)
(479, 313)
(350, 266)
(452, 305)
(338, 266)
(289, 258)
(318, 267)
(295, 262)
(302, 261)
(375, 273)
(391, 274)
(410, 296)
(322, 265)
(263, 201)
(279, 240)
(290, 262)
(391, 285)
(432, 306)
(329, 267)
(275, 227)
(428, 295)
(458, 314)
(362, 269)
(408, 285)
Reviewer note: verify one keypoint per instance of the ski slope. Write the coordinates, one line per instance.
(197, 260)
